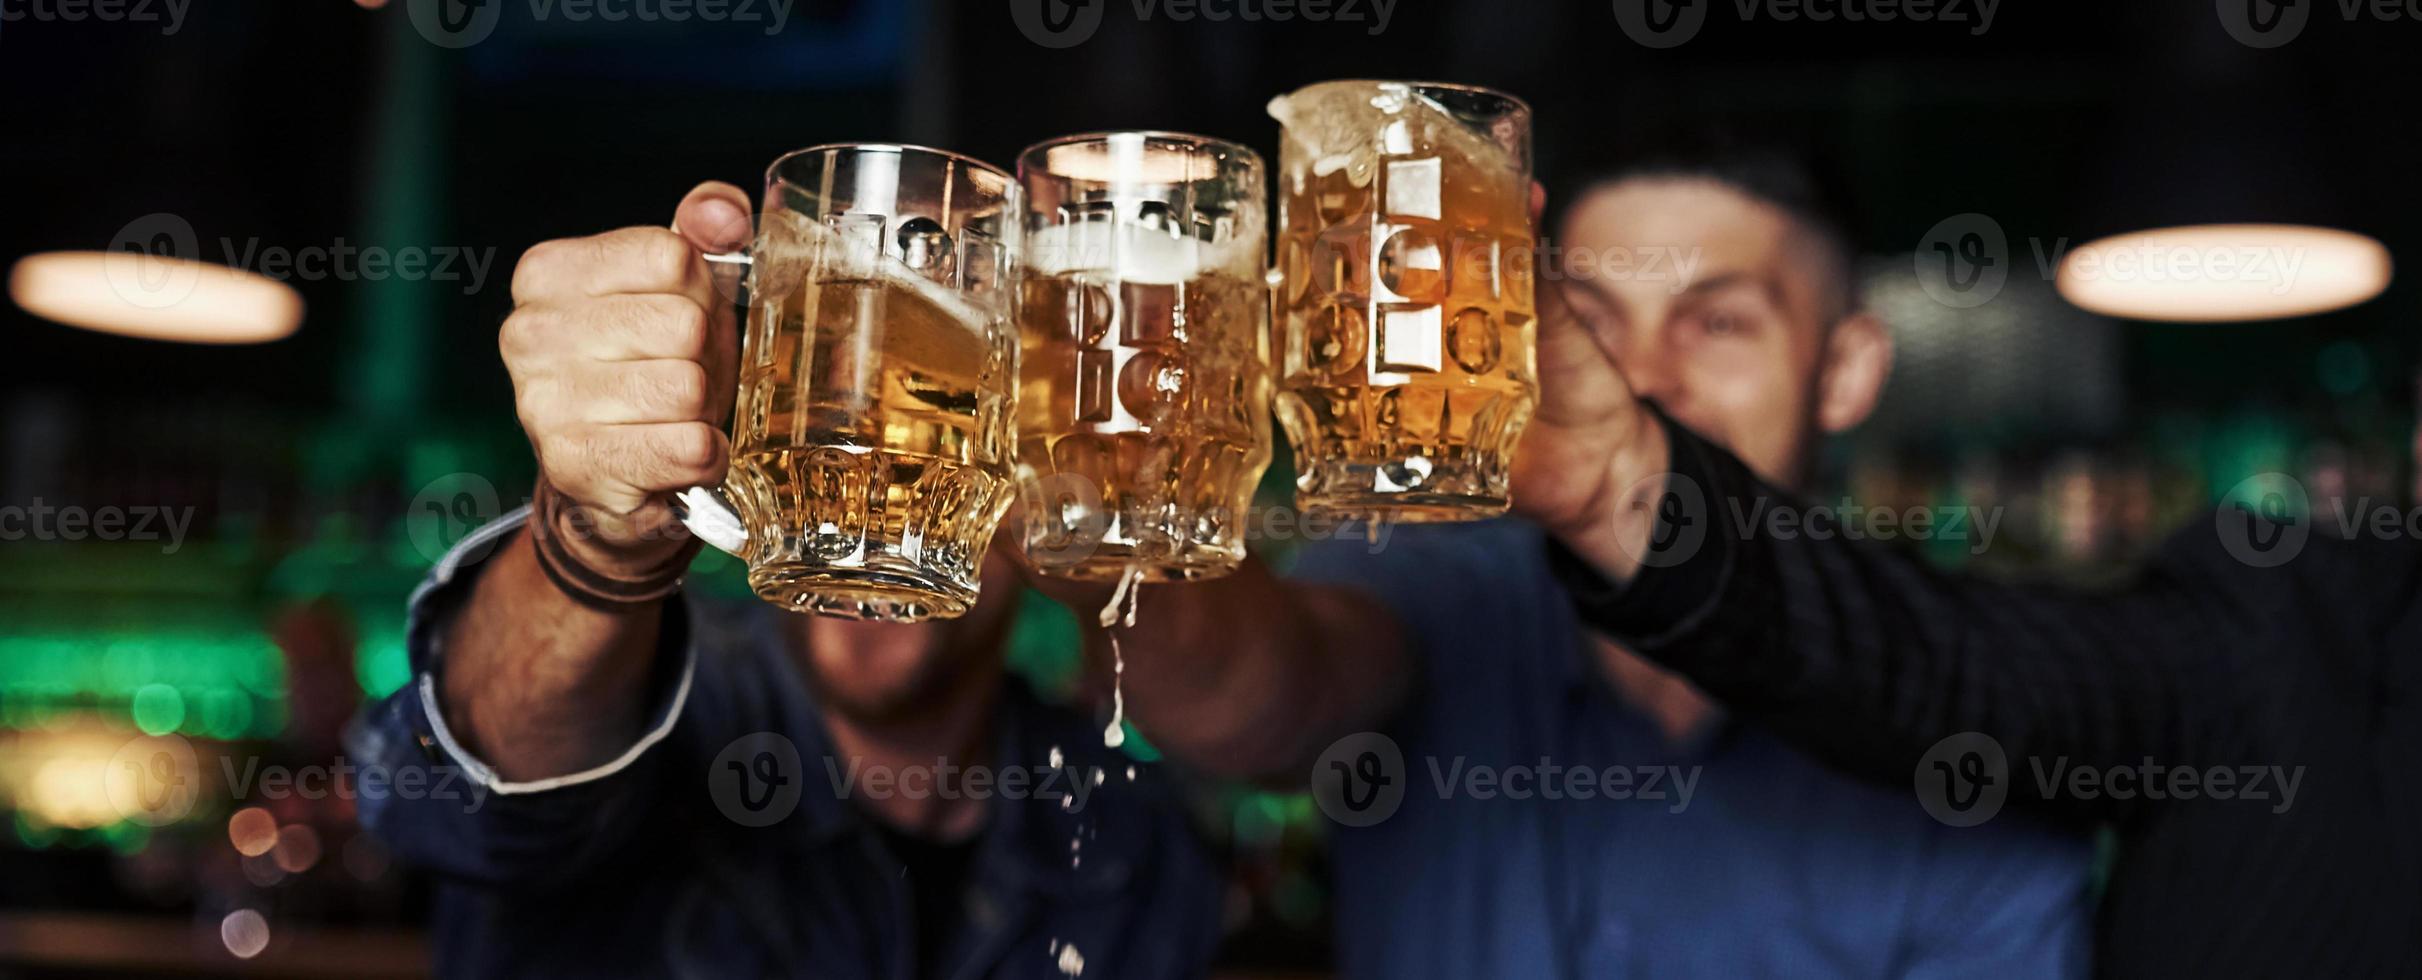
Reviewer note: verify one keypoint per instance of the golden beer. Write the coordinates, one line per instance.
(872, 454)
(1404, 302)
(881, 450)
(1144, 419)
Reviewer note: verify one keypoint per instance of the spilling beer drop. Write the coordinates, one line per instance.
(1070, 962)
(1125, 595)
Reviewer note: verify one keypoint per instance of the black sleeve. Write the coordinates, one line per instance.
(1866, 656)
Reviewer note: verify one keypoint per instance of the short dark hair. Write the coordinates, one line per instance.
(1798, 181)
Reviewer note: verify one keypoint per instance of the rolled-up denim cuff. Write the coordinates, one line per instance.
(440, 598)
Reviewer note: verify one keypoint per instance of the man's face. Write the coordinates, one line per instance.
(870, 672)
(1719, 313)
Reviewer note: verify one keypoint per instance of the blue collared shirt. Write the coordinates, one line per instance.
(1728, 855)
(637, 868)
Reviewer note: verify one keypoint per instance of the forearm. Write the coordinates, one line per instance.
(538, 685)
(1250, 675)
(1868, 657)
(1617, 525)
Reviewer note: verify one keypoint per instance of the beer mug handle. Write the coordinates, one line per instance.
(708, 511)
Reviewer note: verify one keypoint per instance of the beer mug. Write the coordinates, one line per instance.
(871, 453)
(1404, 296)
(1144, 409)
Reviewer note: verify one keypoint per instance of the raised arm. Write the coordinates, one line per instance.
(1868, 656)
(532, 717)
(1857, 651)
(616, 345)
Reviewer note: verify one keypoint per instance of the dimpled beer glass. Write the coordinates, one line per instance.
(871, 443)
(1404, 296)
(1144, 409)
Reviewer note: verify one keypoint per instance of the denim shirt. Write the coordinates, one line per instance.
(1726, 853)
(649, 866)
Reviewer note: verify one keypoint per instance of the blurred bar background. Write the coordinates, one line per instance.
(324, 472)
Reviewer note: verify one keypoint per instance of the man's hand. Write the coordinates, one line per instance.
(623, 356)
(1585, 465)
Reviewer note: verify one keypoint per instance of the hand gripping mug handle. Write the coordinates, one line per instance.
(708, 511)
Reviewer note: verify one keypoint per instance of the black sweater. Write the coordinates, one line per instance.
(2310, 668)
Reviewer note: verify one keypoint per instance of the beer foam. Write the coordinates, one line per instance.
(784, 259)
(1135, 253)
(1345, 125)
(1127, 158)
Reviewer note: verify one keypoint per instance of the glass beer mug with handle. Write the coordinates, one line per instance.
(1404, 296)
(871, 443)
(1144, 409)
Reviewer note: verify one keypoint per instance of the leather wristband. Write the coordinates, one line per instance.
(602, 591)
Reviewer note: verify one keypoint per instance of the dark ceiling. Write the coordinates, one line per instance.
(274, 123)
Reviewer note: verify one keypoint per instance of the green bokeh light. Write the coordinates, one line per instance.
(380, 663)
(158, 709)
(204, 677)
(1261, 819)
(1046, 647)
(126, 837)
